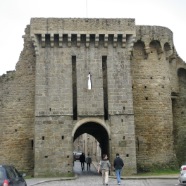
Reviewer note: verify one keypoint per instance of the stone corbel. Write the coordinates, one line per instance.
(131, 43)
(123, 41)
(172, 57)
(115, 40)
(96, 40)
(87, 40)
(52, 40)
(69, 40)
(78, 40)
(169, 53)
(146, 49)
(43, 40)
(60, 40)
(36, 45)
(160, 52)
(106, 41)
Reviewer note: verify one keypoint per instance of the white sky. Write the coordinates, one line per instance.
(16, 14)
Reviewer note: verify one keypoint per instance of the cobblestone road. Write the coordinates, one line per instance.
(92, 178)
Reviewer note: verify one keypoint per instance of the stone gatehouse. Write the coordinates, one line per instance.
(122, 83)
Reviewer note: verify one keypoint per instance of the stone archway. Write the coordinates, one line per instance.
(95, 127)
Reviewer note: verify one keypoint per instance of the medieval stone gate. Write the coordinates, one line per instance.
(121, 83)
(69, 51)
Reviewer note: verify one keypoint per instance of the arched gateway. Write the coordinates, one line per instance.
(98, 128)
(115, 80)
(83, 84)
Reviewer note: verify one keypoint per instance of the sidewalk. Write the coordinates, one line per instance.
(77, 171)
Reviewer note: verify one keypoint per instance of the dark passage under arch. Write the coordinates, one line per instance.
(97, 131)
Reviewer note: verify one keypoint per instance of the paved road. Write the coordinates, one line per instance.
(92, 178)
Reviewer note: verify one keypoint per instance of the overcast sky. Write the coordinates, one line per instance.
(16, 14)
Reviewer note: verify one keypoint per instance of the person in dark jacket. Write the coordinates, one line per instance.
(88, 161)
(82, 160)
(118, 165)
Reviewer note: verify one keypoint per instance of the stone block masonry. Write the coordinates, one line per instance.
(134, 106)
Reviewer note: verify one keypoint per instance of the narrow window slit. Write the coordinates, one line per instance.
(89, 81)
(74, 87)
(105, 86)
(32, 144)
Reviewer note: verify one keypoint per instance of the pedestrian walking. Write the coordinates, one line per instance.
(104, 166)
(82, 160)
(118, 165)
(88, 161)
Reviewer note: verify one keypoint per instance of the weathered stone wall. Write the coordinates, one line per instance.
(179, 110)
(152, 97)
(53, 146)
(87, 40)
(142, 87)
(17, 110)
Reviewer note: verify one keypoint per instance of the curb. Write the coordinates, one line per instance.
(53, 179)
(145, 177)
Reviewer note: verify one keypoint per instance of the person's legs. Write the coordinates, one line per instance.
(120, 175)
(88, 166)
(106, 177)
(103, 176)
(83, 166)
(118, 171)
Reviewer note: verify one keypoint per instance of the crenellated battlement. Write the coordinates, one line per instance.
(157, 37)
(56, 32)
(52, 40)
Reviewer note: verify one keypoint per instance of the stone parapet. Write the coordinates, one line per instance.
(71, 25)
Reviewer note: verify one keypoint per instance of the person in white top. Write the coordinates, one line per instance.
(104, 166)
